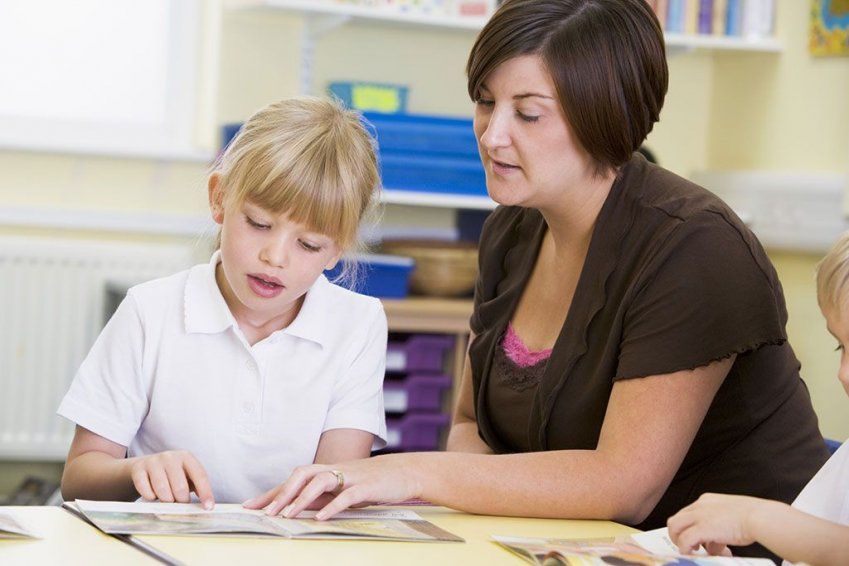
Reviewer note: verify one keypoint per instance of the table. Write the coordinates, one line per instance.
(476, 529)
(65, 540)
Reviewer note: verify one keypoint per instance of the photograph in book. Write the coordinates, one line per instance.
(12, 529)
(604, 552)
(190, 519)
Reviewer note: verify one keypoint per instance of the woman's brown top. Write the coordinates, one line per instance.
(673, 280)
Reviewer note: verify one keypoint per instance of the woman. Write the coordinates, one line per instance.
(629, 350)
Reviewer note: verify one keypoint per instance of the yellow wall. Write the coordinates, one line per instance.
(786, 112)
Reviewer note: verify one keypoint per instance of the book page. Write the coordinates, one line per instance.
(595, 551)
(189, 518)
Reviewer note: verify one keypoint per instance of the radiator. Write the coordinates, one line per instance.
(53, 303)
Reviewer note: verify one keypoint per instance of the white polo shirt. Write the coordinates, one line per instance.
(827, 494)
(172, 370)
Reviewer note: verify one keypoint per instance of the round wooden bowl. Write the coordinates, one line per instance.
(443, 269)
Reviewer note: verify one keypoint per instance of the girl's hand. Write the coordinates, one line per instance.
(715, 521)
(171, 476)
(382, 479)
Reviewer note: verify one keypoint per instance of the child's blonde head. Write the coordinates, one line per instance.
(833, 277)
(308, 158)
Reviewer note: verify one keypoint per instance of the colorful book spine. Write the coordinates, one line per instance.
(720, 17)
(675, 16)
(661, 8)
(705, 16)
(757, 20)
(691, 18)
(734, 18)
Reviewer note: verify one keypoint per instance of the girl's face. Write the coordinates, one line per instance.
(838, 326)
(268, 262)
(525, 143)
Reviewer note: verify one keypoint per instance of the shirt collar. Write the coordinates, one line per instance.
(313, 318)
(207, 312)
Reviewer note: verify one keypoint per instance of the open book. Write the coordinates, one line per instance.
(10, 528)
(651, 548)
(191, 519)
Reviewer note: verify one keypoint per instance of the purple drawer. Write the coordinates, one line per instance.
(419, 352)
(415, 431)
(415, 393)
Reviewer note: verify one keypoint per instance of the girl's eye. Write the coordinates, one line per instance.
(256, 224)
(309, 247)
(839, 348)
(484, 102)
(527, 118)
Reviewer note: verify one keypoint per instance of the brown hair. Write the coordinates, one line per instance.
(606, 57)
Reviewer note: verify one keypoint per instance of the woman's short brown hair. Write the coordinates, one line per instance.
(606, 57)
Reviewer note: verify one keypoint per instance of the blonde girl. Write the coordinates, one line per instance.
(223, 378)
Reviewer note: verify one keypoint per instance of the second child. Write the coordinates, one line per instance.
(815, 528)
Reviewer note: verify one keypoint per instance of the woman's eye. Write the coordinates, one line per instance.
(256, 224)
(309, 247)
(527, 118)
(839, 348)
(484, 102)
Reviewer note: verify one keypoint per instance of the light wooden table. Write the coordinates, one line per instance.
(478, 548)
(65, 540)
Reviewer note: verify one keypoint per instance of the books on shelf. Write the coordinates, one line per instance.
(651, 548)
(726, 18)
(142, 518)
(10, 528)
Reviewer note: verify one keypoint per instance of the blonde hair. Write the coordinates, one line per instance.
(309, 158)
(833, 276)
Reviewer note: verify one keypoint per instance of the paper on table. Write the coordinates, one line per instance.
(186, 518)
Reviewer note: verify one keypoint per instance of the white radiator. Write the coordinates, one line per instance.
(52, 301)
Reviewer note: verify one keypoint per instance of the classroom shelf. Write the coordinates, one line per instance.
(677, 41)
(365, 14)
(439, 200)
(369, 14)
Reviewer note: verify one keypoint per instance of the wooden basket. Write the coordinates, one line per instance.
(443, 269)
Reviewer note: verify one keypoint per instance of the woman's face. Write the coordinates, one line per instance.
(525, 144)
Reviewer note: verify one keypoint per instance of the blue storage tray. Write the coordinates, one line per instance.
(432, 135)
(433, 174)
(382, 276)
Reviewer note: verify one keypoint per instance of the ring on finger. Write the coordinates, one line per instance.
(340, 480)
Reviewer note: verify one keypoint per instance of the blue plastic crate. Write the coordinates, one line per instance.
(228, 132)
(429, 135)
(428, 153)
(381, 276)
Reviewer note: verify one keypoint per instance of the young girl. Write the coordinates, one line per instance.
(223, 378)
(815, 529)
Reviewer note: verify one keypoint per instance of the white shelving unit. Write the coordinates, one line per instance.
(439, 200)
(352, 12)
(687, 42)
(322, 17)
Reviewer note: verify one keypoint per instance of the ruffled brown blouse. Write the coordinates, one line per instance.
(673, 280)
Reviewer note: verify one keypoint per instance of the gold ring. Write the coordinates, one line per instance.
(340, 480)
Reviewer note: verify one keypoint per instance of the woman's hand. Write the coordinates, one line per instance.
(171, 476)
(382, 479)
(716, 521)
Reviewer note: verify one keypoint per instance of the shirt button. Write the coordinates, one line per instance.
(247, 407)
(249, 364)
